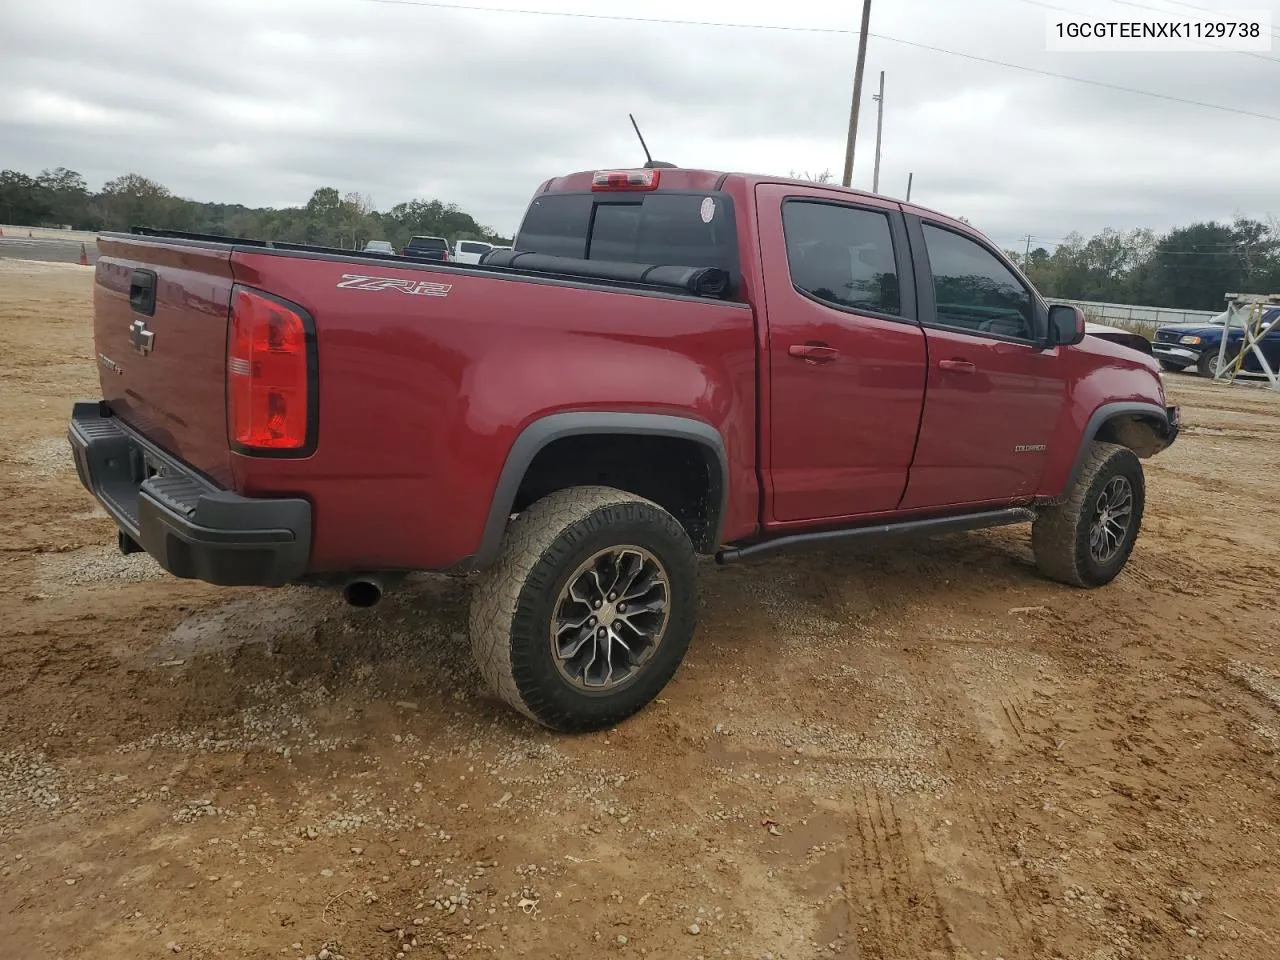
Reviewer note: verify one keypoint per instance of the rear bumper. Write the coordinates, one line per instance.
(192, 528)
(1173, 423)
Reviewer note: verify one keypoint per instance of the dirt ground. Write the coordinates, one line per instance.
(921, 753)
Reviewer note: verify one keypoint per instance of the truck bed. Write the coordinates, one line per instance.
(425, 374)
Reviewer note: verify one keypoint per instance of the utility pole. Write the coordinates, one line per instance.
(857, 92)
(909, 176)
(879, 99)
(1027, 255)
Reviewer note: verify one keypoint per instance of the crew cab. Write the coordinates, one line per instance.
(1198, 346)
(427, 248)
(669, 363)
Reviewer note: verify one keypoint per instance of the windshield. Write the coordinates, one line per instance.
(1240, 320)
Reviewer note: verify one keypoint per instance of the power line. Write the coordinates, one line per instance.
(618, 17)
(471, 8)
(1198, 253)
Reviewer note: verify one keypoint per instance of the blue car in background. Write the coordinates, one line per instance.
(1184, 346)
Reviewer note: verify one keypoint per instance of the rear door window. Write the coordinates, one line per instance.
(842, 256)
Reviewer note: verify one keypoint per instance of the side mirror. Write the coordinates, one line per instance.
(1066, 325)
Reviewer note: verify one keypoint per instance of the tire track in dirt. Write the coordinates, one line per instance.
(890, 888)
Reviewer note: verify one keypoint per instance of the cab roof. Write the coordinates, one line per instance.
(681, 178)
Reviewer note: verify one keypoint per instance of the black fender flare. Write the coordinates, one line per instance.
(539, 434)
(1108, 412)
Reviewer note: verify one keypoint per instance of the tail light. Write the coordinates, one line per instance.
(646, 179)
(270, 375)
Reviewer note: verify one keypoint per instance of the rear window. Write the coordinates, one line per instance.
(470, 246)
(684, 229)
(430, 243)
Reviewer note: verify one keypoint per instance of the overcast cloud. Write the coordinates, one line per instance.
(263, 101)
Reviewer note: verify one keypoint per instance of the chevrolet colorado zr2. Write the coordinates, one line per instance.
(669, 363)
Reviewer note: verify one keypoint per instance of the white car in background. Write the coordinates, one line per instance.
(470, 251)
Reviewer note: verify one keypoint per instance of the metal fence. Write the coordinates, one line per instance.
(1107, 312)
(1139, 319)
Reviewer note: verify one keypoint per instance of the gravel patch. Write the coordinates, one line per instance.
(29, 780)
(42, 459)
(94, 565)
(267, 618)
(1261, 683)
(280, 722)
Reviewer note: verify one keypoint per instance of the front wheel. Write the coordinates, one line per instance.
(1212, 365)
(1086, 541)
(589, 610)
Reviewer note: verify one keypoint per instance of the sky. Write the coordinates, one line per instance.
(263, 101)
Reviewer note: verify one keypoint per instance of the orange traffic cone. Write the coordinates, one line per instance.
(84, 257)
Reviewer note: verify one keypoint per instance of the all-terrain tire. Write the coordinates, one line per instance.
(1060, 536)
(514, 604)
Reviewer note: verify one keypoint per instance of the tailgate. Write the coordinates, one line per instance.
(160, 332)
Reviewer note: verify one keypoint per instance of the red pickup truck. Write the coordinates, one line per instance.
(669, 363)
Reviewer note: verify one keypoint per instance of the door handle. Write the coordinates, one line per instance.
(813, 352)
(957, 366)
(142, 292)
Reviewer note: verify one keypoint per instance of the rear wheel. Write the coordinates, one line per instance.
(589, 610)
(1086, 541)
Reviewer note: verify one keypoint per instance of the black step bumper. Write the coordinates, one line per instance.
(192, 528)
(1173, 424)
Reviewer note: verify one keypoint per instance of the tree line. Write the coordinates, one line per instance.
(61, 197)
(1191, 267)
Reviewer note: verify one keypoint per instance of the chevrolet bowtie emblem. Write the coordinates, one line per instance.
(141, 338)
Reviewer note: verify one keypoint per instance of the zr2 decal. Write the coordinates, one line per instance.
(417, 288)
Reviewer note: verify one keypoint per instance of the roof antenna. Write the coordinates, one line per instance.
(649, 162)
